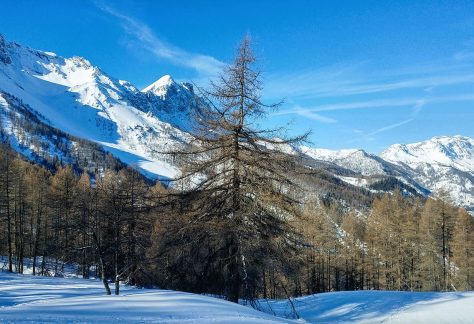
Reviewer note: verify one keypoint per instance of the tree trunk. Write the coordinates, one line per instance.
(443, 229)
(37, 237)
(9, 234)
(234, 281)
(102, 265)
(9, 221)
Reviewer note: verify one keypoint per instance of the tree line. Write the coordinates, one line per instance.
(60, 217)
(402, 243)
(239, 222)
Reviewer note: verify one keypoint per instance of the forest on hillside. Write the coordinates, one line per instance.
(239, 222)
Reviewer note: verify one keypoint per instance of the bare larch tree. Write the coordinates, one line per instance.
(240, 190)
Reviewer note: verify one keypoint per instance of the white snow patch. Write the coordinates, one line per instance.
(378, 307)
(30, 299)
(26, 298)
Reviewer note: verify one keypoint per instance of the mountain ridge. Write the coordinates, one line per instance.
(137, 126)
(80, 99)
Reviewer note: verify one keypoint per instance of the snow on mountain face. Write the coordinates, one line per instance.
(456, 151)
(175, 103)
(353, 159)
(367, 169)
(441, 164)
(77, 98)
(160, 86)
(80, 99)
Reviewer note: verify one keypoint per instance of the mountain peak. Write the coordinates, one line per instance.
(78, 60)
(160, 86)
(165, 79)
(442, 162)
(456, 151)
(450, 139)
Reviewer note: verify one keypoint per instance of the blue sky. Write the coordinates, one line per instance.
(357, 73)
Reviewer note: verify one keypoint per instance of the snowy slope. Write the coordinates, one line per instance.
(25, 298)
(442, 163)
(160, 86)
(379, 307)
(353, 159)
(24, 130)
(72, 95)
(453, 151)
(367, 169)
(29, 299)
(81, 100)
(173, 102)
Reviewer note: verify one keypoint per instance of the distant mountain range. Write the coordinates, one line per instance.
(443, 163)
(52, 106)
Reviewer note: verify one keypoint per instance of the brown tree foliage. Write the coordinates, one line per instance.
(230, 225)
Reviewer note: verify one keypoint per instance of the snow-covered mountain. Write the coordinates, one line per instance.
(449, 151)
(367, 170)
(174, 103)
(71, 100)
(442, 163)
(356, 160)
(80, 99)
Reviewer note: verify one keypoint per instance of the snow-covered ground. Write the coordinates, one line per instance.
(25, 298)
(379, 307)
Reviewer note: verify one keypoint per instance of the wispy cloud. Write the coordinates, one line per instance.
(312, 115)
(418, 107)
(204, 65)
(390, 127)
(351, 105)
(347, 82)
(414, 113)
(381, 103)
